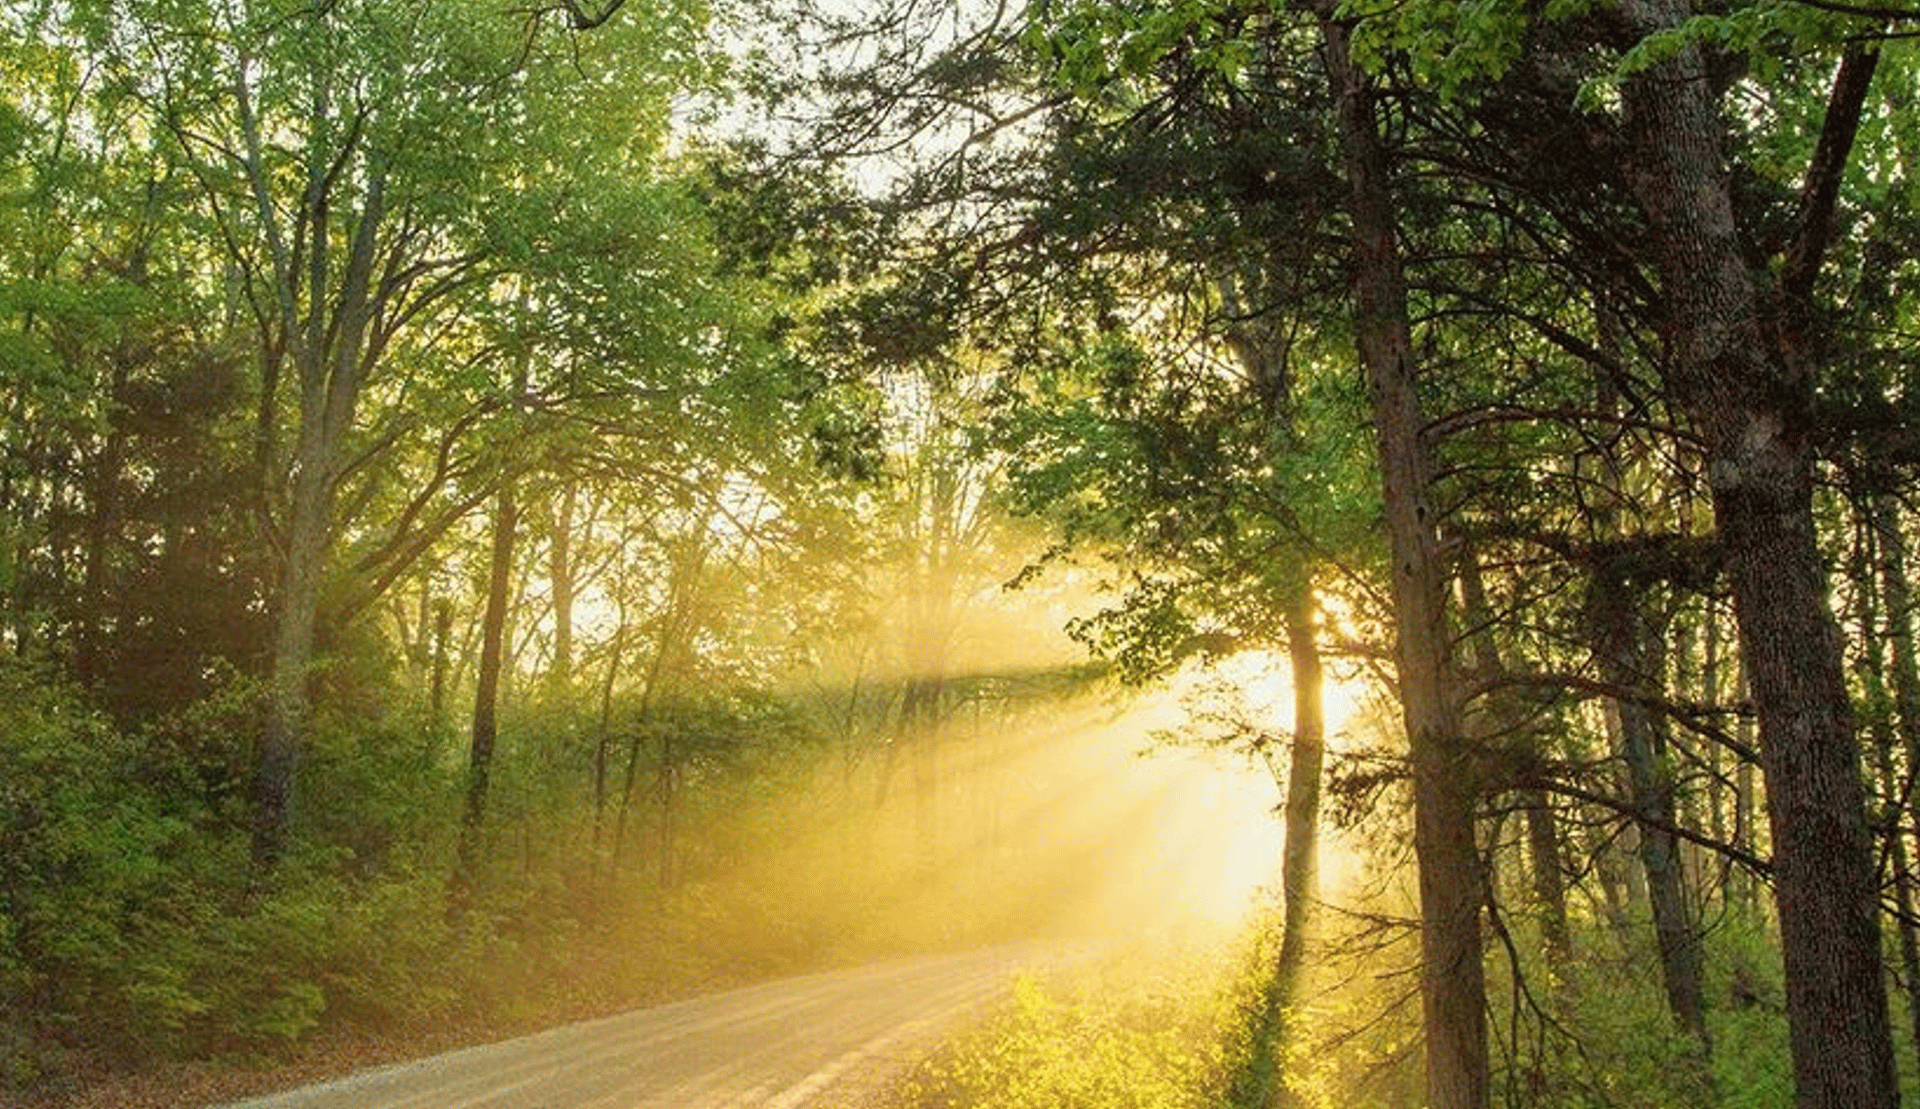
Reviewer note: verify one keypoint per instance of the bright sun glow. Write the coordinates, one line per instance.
(1265, 682)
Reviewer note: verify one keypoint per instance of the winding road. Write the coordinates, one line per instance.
(824, 1041)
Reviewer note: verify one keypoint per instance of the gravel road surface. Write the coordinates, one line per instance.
(825, 1041)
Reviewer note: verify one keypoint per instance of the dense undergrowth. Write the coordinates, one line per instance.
(1171, 1025)
(136, 933)
(1157, 1024)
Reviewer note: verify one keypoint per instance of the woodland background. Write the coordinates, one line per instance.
(507, 511)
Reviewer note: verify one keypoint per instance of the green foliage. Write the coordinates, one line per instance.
(1596, 1032)
(89, 869)
(1142, 1029)
(1450, 47)
(129, 924)
(1091, 46)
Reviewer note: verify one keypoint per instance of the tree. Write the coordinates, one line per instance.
(1746, 390)
(323, 144)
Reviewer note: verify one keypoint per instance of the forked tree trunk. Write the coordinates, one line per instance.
(1748, 391)
(326, 332)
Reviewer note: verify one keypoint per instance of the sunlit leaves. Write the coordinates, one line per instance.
(1091, 46)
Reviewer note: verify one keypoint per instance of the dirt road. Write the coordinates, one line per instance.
(825, 1041)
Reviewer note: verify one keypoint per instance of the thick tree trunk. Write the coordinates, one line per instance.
(1750, 405)
(1445, 791)
(276, 768)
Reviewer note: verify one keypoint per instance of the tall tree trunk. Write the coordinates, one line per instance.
(1300, 853)
(1445, 790)
(1748, 393)
(1548, 876)
(442, 646)
(560, 578)
(1895, 594)
(1877, 622)
(486, 695)
(1626, 643)
(329, 346)
(276, 767)
(1261, 349)
(1502, 719)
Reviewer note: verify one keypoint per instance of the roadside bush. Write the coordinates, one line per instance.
(1143, 1028)
(102, 890)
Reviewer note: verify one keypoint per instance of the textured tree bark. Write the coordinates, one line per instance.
(1750, 399)
(277, 764)
(1452, 881)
